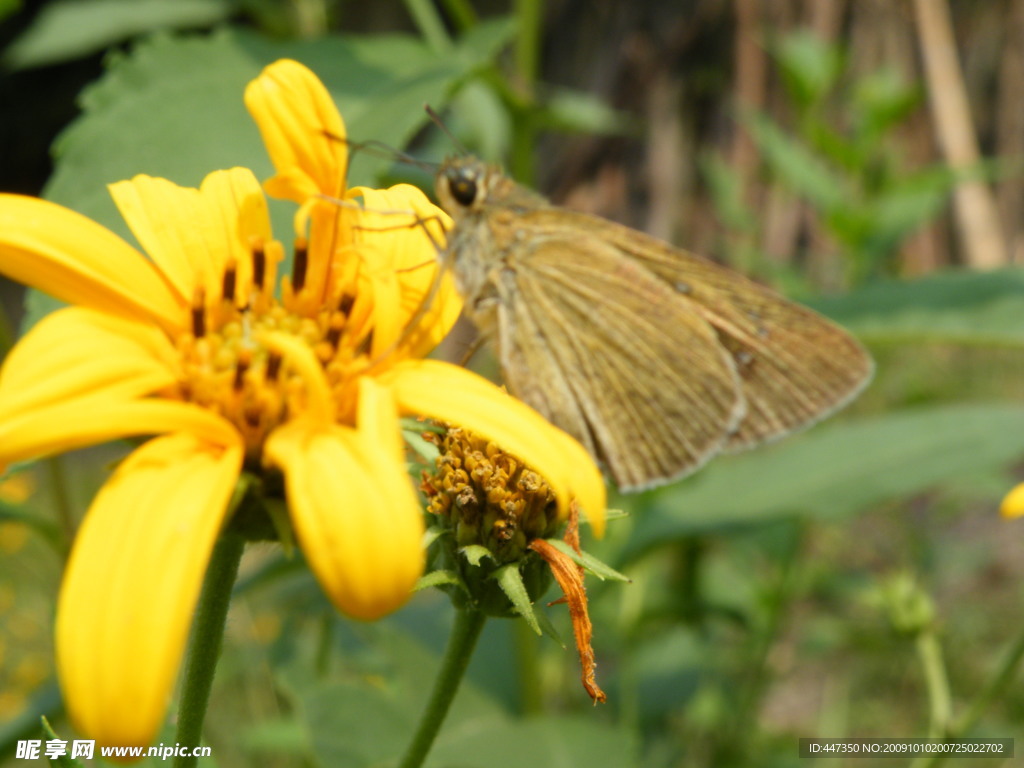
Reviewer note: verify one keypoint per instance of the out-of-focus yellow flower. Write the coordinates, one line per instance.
(1013, 503)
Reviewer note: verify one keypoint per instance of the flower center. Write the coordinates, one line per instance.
(233, 361)
(489, 497)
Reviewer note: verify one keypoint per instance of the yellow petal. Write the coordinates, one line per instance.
(86, 421)
(449, 393)
(356, 515)
(131, 585)
(142, 202)
(77, 353)
(1013, 504)
(302, 130)
(403, 222)
(237, 210)
(73, 258)
(400, 234)
(193, 235)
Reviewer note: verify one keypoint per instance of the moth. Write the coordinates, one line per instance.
(654, 358)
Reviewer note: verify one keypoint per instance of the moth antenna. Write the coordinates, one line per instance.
(440, 124)
(380, 149)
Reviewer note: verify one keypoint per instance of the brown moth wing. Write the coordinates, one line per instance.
(609, 352)
(797, 367)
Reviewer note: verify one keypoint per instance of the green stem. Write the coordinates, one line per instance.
(7, 335)
(465, 632)
(691, 555)
(996, 686)
(461, 13)
(930, 653)
(738, 738)
(529, 18)
(204, 647)
(528, 668)
(430, 25)
(61, 502)
(529, 15)
(325, 644)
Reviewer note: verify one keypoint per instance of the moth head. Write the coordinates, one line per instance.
(461, 185)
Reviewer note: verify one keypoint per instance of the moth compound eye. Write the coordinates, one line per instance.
(463, 188)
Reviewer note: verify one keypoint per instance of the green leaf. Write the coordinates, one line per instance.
(551, 741)
(70, 29)
(480, 116)
(9, 8)
(365, 715)
(354, 725)
(836, 470)
(797, 167)
(810, 66)
(726, 188)
(908, 204)
(485, 40)
(881, 100)
(957, 306)
(279, 736)
(578, 112)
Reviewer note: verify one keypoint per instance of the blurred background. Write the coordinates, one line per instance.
(864, 157)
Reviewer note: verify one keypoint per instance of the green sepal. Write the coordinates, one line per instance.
(432, 534)
(243, 485)
(23, 515)
(440, 578)
(63, 760)
(548, 627)
(424, 450)
(511, 582)
(588, 562)
(277, 511)
(258, 513)
(475, 553)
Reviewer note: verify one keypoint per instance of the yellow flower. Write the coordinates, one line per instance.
(1013, 503)
(195, 347)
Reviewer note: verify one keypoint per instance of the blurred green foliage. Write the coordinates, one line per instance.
(842, 156)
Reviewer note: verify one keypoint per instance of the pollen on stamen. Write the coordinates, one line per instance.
(366, 344)
(300, 264)
(334, 330)
(259, 264)
(230, 282)
(323, 351)
(199, 313)
(273, 366)
(346, 303)
(244, 361)
(252, 413)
